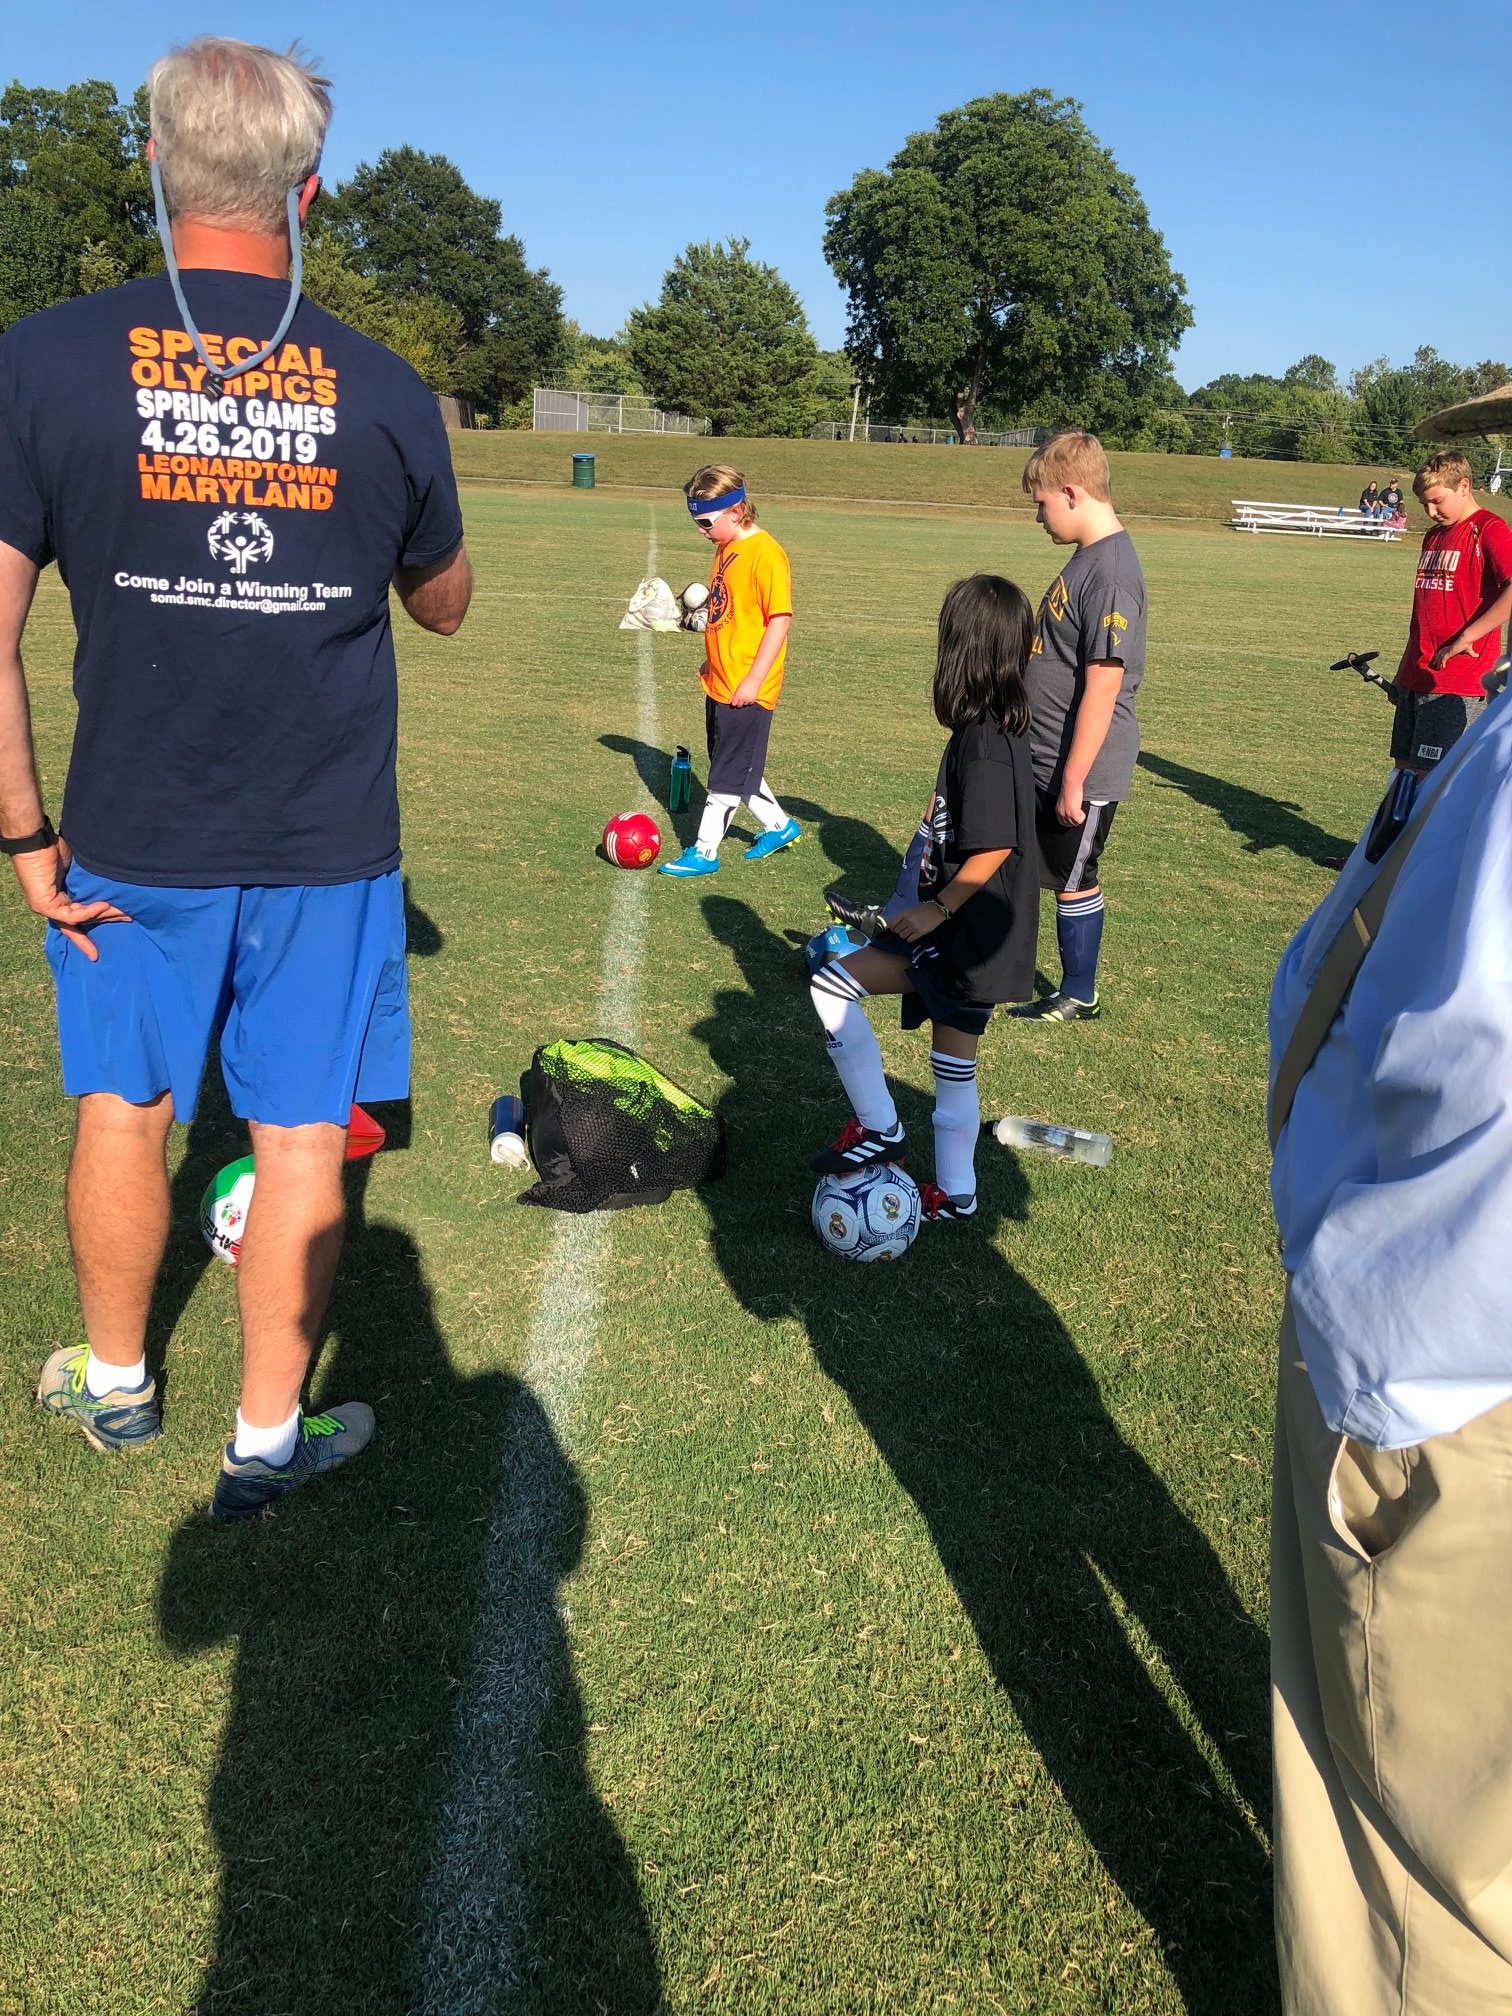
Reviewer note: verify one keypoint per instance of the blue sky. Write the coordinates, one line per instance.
(1292, 155)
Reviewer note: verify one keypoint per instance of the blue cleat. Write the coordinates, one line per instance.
(691, 862)
(243, 1489)
(773, 843)
(128, 1418)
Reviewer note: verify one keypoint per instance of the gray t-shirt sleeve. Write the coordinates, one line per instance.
(1111, 607)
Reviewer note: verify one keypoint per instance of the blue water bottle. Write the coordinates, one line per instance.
(506, 1132)
(680, 784)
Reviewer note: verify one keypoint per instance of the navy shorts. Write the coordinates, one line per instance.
(738, 738)
(1069, 854)
(932, 1000)
(305, 988)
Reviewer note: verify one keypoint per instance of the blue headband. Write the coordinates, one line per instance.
(710, 507)
(216, 376)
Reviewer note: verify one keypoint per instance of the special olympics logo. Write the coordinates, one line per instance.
(238, 538)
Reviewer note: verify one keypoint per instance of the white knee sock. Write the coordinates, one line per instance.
(763, 802)
(272, 1445)
(957, 1122)
(719, 809)
(837, 997)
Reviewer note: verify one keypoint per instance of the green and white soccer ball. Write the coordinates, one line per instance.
(223, 1210)
(873, 1215)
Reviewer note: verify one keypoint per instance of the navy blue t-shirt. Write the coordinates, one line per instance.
(228, 559)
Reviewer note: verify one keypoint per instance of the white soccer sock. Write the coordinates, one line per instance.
(719, 809)
(272, 1445)
(957, 1122)
(763, 802)
(100, 1378)
(854, 1052)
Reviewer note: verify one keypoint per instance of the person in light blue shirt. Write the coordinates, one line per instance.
(1391, 1587)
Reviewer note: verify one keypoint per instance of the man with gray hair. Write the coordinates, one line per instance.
(229, 479)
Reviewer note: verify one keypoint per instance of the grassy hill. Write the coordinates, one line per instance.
(849, 473)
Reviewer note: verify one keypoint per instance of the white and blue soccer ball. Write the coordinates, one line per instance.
(873, 1215)
(833, 943)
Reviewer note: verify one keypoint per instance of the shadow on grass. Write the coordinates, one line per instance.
(1262, 822)
(866, 862)
(402, 1815)
(1055, 1533)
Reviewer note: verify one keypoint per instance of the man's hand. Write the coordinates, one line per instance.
(746, 693)
(1071, 805)
(41, 876)
(916, 923)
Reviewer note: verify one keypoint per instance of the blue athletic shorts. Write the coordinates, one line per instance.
(305, 988)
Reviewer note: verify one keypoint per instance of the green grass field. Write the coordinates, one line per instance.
(714, 1626)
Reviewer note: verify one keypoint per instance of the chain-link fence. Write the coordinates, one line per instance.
(899, 430)
(555, 411)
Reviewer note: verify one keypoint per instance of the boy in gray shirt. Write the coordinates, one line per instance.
(1087, 662)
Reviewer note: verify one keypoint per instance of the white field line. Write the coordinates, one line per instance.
(474, 1926)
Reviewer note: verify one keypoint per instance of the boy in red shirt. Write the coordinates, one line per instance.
(1462, 598)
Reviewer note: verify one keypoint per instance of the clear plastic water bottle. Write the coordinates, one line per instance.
(1067, 1144)
(680, 783)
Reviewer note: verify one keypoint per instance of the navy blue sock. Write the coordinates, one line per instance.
(1078, 932)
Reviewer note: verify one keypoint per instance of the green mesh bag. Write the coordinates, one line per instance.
(607, 1129)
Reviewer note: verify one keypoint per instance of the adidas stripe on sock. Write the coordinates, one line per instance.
(957, 1122)
(1078, 933)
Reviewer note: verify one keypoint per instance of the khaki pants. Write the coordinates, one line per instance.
(1391, 1694)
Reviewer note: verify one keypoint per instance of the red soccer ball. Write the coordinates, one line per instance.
(631, 840)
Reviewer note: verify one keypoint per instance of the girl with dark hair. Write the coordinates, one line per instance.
(968, 942)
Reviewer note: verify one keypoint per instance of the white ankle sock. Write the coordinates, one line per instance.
(100, 1378)
(719, 809)
(957, 1122)
(763, 803)
(272, 1445)
(837, 996)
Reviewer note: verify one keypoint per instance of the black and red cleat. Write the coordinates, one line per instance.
(856, 1148)
(937, 1205)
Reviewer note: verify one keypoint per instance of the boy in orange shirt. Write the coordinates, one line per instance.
(745, 645)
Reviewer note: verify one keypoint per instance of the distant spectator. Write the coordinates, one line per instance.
(1461, 600)
(1370, 501)
(1392, 498)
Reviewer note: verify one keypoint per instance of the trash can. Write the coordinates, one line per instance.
(582, 472)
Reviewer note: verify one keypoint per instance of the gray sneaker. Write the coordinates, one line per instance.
(127, 1418)
(245, 1488)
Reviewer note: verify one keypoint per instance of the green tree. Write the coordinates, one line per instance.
(1003, 256)
(1312, 372)
(412, 223)
(728, 340)
(37, 270)
(598, 364)
(423, 331)
(83, 153)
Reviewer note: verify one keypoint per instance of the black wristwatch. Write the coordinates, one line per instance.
(31, 843)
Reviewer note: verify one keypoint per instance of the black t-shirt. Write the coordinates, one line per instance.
(984, 801)
(228, 559)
